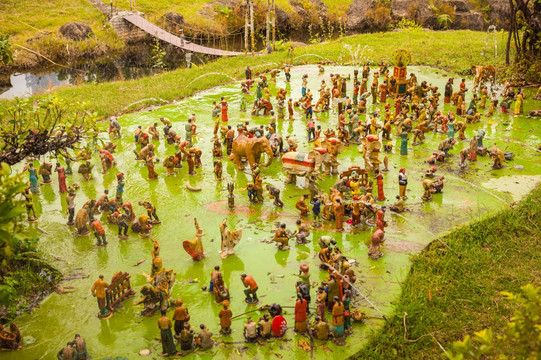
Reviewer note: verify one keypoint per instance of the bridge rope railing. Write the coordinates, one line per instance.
(166, 36)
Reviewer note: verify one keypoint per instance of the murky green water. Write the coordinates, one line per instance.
(61, 316)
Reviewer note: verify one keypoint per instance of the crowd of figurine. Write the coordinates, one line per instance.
(415, 113)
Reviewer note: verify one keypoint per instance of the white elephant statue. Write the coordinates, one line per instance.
(303, 164)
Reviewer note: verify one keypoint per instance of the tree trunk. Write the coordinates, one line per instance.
(252, 25)
(273, 25)
(508, 45)
(267, 35)
(246, 27)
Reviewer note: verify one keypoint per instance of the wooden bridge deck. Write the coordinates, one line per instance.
(163, 35)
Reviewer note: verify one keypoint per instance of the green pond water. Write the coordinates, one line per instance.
(473, 192)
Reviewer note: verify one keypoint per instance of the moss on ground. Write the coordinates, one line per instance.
(449, 297)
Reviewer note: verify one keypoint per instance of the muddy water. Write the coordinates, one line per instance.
(61, 316)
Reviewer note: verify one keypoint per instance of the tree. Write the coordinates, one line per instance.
(52, 124)
(525, 29)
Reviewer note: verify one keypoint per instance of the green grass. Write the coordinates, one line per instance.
(500, 253)
(461, 50)
(24, 19)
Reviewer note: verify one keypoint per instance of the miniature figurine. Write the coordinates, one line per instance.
(99, 232)
(402, 182)
(221, 292)
(321, 299)
(427, 186)
(80, 346)
(181, 316)
(120, 186)
(338, 318)
(144, 225)
(218, 170)
(168, 344)
(281, 238)
(152, 174)
(398, 205)
(380, 222)
(231, 196)
(338, 211)
(274, 193)
(120, 219)
(321, 329)
(29, 204)
(45, 172)
(70, 200)
(10, 339)
(62, 187)
(265, 326)
(258, 184)
(447, 145)
(225, 316)
(67, 353)
(195, 247)
(301, 206)
(301, 307)
(498, 157)
(404, 143)
(190, 154)
(377, 238)
(98, 290)
(316, 211)
(229, 239)
(302, 233)
(151, 211)
(114, 128)
(204, 338)
(170, 163)
(186, 338)
(250, 330)
(33, 178)
(157, 293)
(251, 291)
(85, 169)
(379, 182)
(81, 220)
(347, 314)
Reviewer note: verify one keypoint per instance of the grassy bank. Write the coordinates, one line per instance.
(450, 297)
(34, 25)
(450, 50)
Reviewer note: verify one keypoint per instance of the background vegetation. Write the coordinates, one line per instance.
(24, 276)
(425, 47)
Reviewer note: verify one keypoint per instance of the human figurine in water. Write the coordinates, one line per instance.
(225, 316)
(251, 289)
(204, 338)
(250, 330)
(274, 193)
(165, 326)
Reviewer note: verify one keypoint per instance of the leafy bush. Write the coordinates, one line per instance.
(444, 21)
(6, 54)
